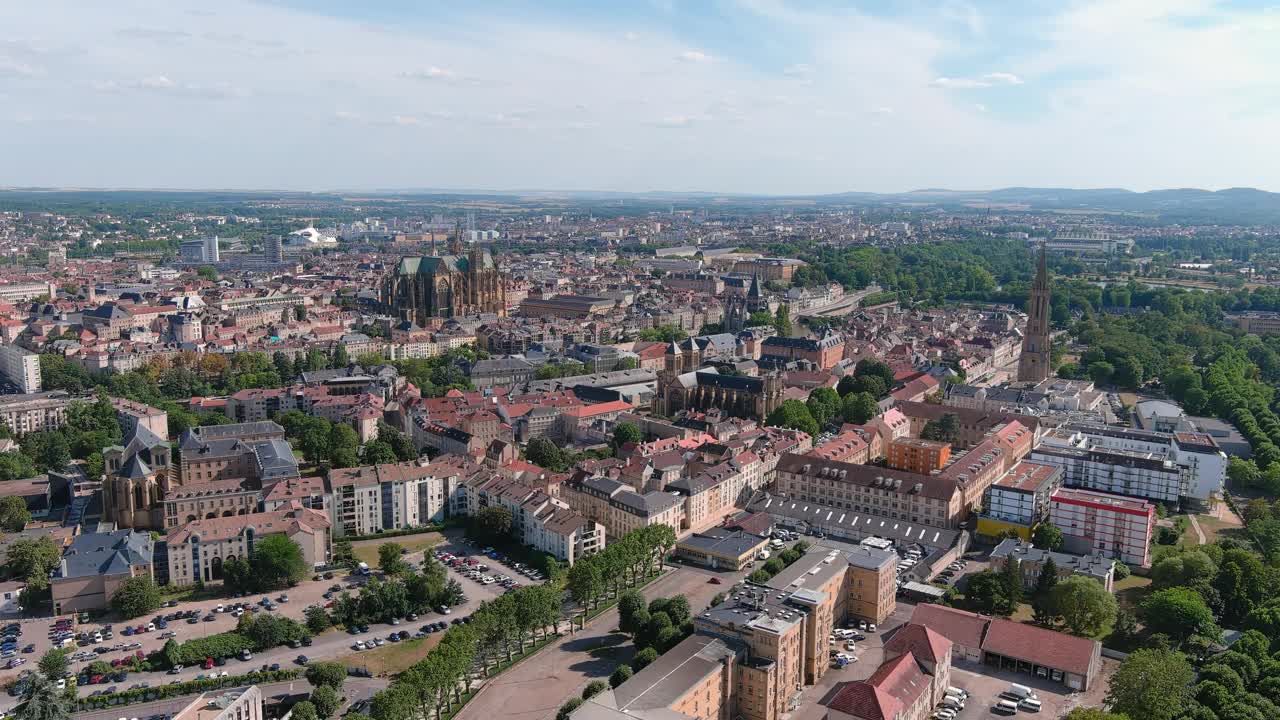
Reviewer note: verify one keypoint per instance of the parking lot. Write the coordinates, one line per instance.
(38, 633)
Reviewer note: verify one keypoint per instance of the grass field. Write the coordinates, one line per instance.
(367, 550)
(392, 658)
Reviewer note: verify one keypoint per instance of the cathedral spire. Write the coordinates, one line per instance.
(1033, 365)
(455, 246)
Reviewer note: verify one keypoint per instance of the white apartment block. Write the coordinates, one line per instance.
(375, 498)
(1021, 497)
(1096, 523)
(18, 292)
(1175, 468)
(34, 412)
(545, 523)
(21, 367)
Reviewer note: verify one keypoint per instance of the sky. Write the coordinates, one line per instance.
(735, 96)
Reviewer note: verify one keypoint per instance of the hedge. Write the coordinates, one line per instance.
(190, 687)
(222, 645)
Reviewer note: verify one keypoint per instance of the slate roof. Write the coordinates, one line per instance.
(110, 553)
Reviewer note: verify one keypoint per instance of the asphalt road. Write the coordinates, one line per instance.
(327, 646)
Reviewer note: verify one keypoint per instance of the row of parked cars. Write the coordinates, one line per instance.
(953, 701)
(9, 642)
(950, 572)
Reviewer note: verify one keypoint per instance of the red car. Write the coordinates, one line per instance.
(208, 663)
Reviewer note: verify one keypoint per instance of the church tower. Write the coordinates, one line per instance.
(1033, 365)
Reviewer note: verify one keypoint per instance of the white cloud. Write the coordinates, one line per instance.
(694, 56)
(13, 68)
(979, 107)
(1112, 78)
(982, 81)
(431, 73)
(674, 121)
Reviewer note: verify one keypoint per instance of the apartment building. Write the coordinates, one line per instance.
(1030, 561)
(1107, 525)
(374, 498)
(1182, 468)
(619, 508)
(537, 519)
(1019, 500)
(243, 703)
(20, 367)
(870, 583)
(973, 425)
(714, 491)
(866, 489)
(849, 446)
(198, 549)
(917, 455)
(34, 412)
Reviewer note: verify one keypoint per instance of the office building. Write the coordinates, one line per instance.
(397, 496)
(917, 455)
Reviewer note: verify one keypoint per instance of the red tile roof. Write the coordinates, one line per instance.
(1040, 646)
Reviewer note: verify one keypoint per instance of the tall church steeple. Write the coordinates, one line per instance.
(455, 245)
(1033, 365)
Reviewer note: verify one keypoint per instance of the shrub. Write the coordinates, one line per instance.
(593, 688)
(568, 707)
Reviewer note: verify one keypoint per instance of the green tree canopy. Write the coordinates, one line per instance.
(136, 596)
(1083, 604)
(1151, 685)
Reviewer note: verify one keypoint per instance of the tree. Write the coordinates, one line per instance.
(331, 674)
(277, 562)
(633, 613)
(493, 523)
(566, 710)
(1126, 625)
(944, 429)
(1101, 372)
(795, 415)
(317, 620)
(677, 608)
(1042, 602)
(136, 597)
(782, 321)
(1084, 713)
(594, 688)
(326, 700)
(54, 664)
(824, 405)
(31, 559)
(1242, 473)
(391, 558)
(859, 407)
(543, 453)
(1151, 685)
(14, 514)
(340, 357)
(44, 701)
(985, 593)
(1083, 604)
(644, 658)
(305, 710)
(1129, 372)
(877, 369)
(344, 446)
(624, 433)
(1179, 613)
(15, 466)
(377, 452)
(402, 444)
(1048, 537)
(622, 674)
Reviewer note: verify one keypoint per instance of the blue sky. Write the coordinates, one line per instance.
(765, 96)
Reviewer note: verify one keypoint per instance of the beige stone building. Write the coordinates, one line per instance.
(198, 549)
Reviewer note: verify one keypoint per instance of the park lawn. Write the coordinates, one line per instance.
(392, 658)
(367, 550)
(1131, 591)
(1215, 528)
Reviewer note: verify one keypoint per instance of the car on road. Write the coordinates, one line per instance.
(302, 660)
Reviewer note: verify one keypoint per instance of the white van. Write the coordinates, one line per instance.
(952, 702)
(1021, 692)
(958, 692)
(1005, 707)
(1030, 705)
